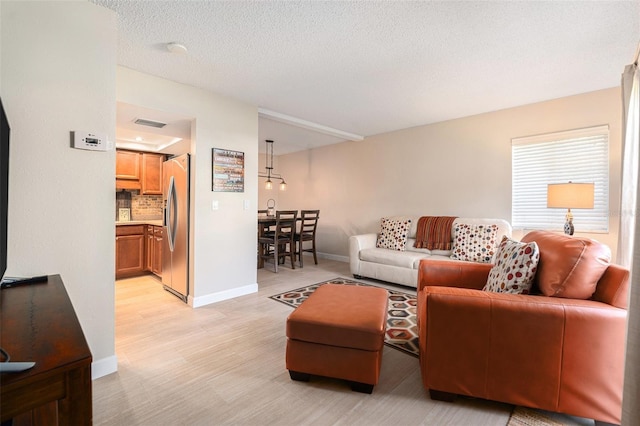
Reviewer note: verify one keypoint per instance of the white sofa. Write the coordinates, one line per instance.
(401, 267)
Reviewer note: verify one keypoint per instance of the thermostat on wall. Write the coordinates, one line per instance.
(90, 141)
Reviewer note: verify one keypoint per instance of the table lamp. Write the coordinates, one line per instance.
(570, 196)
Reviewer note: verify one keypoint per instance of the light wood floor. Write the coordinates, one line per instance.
(223, 364)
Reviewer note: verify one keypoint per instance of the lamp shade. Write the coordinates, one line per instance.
(570, 195)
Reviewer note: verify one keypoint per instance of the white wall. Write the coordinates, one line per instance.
(460, 167)
(58, 75)
(223, 255)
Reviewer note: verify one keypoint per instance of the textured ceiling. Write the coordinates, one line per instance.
(369, 67)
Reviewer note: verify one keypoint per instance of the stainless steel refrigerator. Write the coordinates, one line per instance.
(175, 248)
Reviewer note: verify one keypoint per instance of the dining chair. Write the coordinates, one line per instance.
(307, 232)
(281, 243)
(263, 229)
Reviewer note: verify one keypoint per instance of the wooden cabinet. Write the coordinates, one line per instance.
(138, 250)
(127, 165)
(41, 325)
(156, 255)
(139, 170)
(151, 173)
(130, 253)
(153, 257)
(149, 247)
(127, 169)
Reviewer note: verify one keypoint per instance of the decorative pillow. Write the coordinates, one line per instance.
(515, 267)
(474, 242)
(569, 266)
(393, 234)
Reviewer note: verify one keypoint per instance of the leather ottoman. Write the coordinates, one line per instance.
(338, 332)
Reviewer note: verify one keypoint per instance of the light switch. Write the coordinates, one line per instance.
(214, 205)
(247, 204)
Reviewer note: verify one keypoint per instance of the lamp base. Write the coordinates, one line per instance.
(568, 228)
(568, 225)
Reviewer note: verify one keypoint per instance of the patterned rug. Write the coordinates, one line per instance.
(522, 416)
(402, 328)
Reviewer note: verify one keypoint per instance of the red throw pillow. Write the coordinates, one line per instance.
(569, 267)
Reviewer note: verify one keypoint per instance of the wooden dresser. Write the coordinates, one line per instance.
(38, 323)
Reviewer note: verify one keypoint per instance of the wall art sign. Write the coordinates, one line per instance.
(227, 170)
(124, 215)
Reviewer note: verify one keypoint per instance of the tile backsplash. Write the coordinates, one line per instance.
(143, 207)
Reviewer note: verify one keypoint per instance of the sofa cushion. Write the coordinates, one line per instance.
(411, 247)
(474, 242)
(393, 234)
(515, 267)
(569, 266)
(403, 259)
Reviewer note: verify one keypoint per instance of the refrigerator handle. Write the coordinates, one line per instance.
(169, 212)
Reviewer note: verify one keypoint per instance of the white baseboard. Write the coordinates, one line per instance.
(104, 367)
(333, 257)
(208, 299)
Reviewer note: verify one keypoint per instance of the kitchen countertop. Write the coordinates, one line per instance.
(156, 222)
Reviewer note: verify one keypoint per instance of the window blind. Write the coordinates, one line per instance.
(579, 156)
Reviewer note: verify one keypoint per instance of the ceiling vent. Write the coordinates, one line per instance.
(150, 123)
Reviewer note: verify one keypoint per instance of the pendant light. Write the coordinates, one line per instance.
(269, 169)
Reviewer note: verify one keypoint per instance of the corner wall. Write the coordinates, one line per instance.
(459, 167)
(223, 250)
(58, 75)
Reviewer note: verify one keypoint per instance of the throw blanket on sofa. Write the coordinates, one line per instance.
(434, 232)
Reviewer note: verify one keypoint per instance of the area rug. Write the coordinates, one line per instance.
(522, 416)
(402, 328)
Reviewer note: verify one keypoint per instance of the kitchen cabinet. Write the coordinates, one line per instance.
(127, 165)
(139, 170)
(130, 250)
(153, 258)
(149, 247)
(151, 173)
(156, 254)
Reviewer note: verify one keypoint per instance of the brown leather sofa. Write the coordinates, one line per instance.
(553, 352)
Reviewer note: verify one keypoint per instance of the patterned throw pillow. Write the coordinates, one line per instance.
(474, 242)
(515, 267)
(393, 234)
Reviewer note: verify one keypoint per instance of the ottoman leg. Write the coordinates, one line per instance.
(298, 376)
(437, 395)
(361, 387)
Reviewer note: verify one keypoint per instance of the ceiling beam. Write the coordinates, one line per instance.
(298, 122)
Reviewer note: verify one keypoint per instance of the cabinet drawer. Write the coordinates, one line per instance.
(129, 230)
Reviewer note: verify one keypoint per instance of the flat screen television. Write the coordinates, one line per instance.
(4, 188)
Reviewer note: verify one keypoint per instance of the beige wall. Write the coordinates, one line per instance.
(264, 195)
(223, 241)
(58, 75)
(460, 167)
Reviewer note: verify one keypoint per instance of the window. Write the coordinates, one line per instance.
(580, 156)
